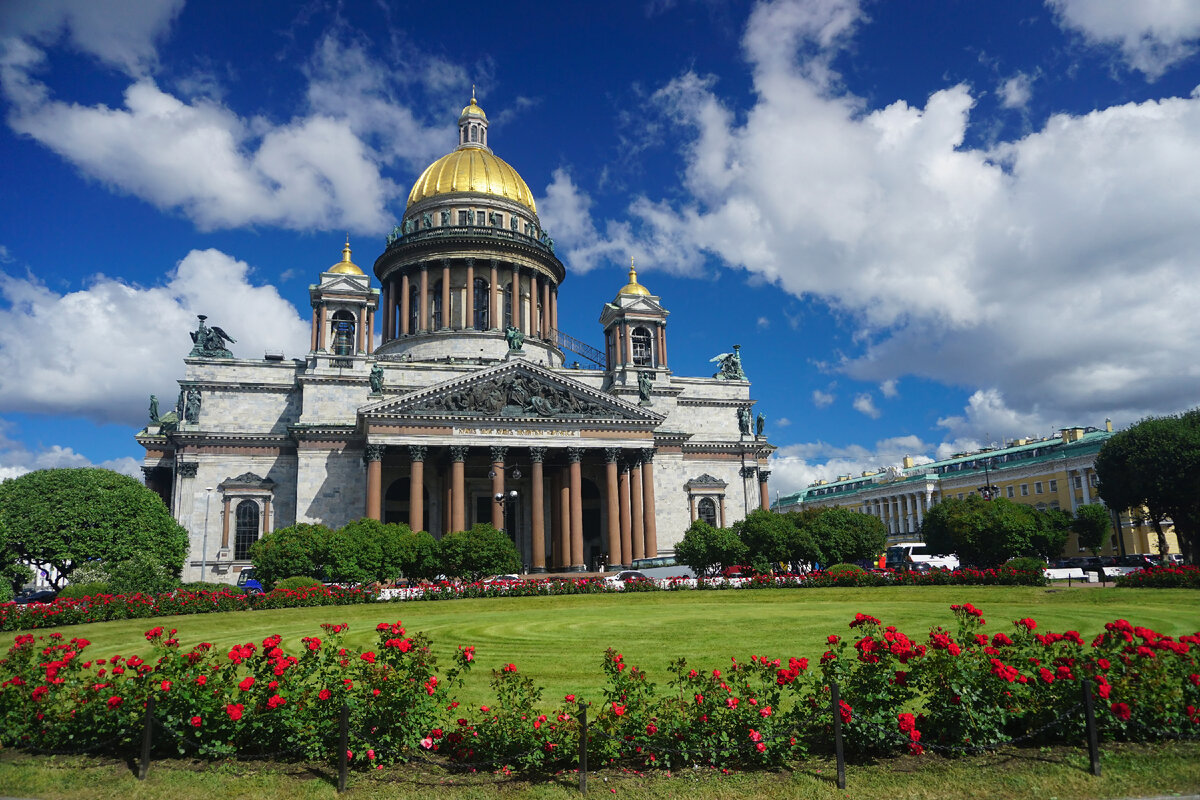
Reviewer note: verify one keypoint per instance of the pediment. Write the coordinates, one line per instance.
(337, 282)
(515, 390)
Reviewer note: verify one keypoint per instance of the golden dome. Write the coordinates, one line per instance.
(346, 266)
(633, 287)
(472, 110)
(472, 169)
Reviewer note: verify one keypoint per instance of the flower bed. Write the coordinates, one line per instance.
(957, 690)
(1166, 577)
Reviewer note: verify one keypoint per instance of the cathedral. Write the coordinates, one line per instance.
(440, 397)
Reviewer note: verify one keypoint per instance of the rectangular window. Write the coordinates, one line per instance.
(960, 495)
(1037, 487)
(1054, 485)
(1011, 491)
(1078, 482)
(1095, 481)
(1024, 490)
(462, 218)
(498, 220)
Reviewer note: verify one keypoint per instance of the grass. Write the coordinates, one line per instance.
(559, 641)
(1058, 773)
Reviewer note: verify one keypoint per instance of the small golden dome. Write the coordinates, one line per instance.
(472, 169)
(633, 287)
(346, 266)
(472, 110)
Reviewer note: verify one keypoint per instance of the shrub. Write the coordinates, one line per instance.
(77, 591)
(1027, 564)
(297, 582)
(845, 569)
(1170, 577)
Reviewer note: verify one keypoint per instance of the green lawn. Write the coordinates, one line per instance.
(559, 641)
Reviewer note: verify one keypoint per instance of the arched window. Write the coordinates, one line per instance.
(474, 134)
(414, 308)
(343, 333)
(641, 347)
(247, 529)
(483, 297)
(707, 510)
(435, 306)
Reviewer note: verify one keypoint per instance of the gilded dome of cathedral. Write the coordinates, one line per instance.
(472, 167)
(346, 266)
(633, 287)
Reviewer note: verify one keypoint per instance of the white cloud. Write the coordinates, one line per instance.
(99, 353)
(822, 399)
(1015, 92)
(1056, 269)
(782, 422)
(987, 419)
(1153, 35)
(16, 459)
(123, 33)
(565, 211)
(888, 389)
(865, 404)
(796, 466)
(763, 323)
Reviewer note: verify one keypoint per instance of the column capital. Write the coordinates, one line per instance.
(574, 454)
(187, 469)
(748, 472)
(470, 261)
(611, 454)
(498, 454)
(416, 452)
(763, 474)
(459, 452)
(374, 452)
(537, 454)
(148, 471)
(648, 454)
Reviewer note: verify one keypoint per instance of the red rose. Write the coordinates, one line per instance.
(246, 683)
(196, 721)
(234, 710)
(114, 702)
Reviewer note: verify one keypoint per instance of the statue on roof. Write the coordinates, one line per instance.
(743, 415)
(191, 409)
(376, 379)
(154, 408)
(644, 389)
(760, 424)
(515, 338)
(730, 365)
(210, 342)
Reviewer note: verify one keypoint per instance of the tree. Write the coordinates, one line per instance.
(297, 550)
(367, 550)
(417, 555)
(767, 537)
(985, 533)
(846, 536)
(481, 551)
(706, 550)
(1052, 529)
(1092, 525)
(1155, 464)
(59, 519)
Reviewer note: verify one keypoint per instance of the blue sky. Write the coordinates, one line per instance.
(930, 225)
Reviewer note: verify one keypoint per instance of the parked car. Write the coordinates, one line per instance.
(907, 555)
(1137, 560)
(500, 579)
(27, 596)
(623, 577)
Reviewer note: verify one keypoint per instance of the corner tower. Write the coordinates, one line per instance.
(635, 334)
(469, 260)
(344, 305)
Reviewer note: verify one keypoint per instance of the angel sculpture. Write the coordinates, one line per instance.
(210, 342)
(731, 365)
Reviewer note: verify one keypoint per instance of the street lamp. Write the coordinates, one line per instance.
(204, 539)
(988, 490)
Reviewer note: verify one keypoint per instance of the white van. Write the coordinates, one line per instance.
(907, 555)
(660, 568)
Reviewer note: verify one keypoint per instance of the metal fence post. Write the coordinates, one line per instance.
(583, 737)
(1089, 709)
(343, 747)
(147, 739)
(838, 749)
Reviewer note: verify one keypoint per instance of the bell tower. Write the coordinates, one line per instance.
(635, 335)
(344, 307)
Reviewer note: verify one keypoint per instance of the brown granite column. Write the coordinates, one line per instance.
(416, 488)
(321, 328)
(564, 518)
(611, 495)
(374, 457)
(538, 518)
(225, 525)
(662, 345)
(638, 532)
(498, 454)
(469, 321)
(495, 311)
(447, 322)
(628, 332)
(554, 309)
(546, 309)
(722, 511)
(692, 506)
(405, 307)
(423, 321)
(648, 511)
(266, 516)
(515, 287)
(534, 316)
(370, 330)
(385, 299)
(574, 456)
(315, 328)
(626, 516)
(764, 494)
(458, 488)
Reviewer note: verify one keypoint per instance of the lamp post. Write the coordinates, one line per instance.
(204, 539)
(988, 491)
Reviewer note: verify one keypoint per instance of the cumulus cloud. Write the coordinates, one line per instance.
(1152, 35)
(797, 466)
(822, 399)
(320, 169)
(888, 389)
(1055, 269)
(565, 211)
(100, 352)
(865, 404)
(122, 33)
(1015, 92)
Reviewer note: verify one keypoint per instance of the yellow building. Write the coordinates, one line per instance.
(1052, 473)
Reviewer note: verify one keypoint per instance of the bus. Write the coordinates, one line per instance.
(910, 555)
